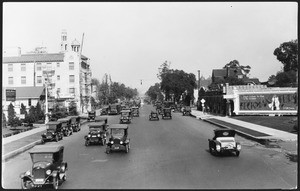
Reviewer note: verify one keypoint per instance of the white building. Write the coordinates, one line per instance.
(67, 74)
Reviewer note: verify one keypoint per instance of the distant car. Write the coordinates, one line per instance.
(186, 110)
(97, 133)
(224, 141)
(118, 138)
(104, 110)
(166, 113)
(91, 115)
(48, 167)
(74, 123)
(125, 116)
(153, 116)
(66, 126)
(54, 132)
(135, 111)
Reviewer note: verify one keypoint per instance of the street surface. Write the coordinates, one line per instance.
(166, 154)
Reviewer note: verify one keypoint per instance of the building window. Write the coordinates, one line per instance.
(49, 66)
(38, 66)
(23, 79)
(10, 67)
(10, 80)
(23, 67)
(71, 78)
(71, 90)
(57, 64)
(29, 102)
(58, 77)
(58, 90)
(39, 79)
(71, 65)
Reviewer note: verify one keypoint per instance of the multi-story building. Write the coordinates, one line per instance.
(67, 74)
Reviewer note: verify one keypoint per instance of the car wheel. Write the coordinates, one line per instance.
(55, 183)
(107, 151)
(27, 184)
(65, 176)
(42, 141)
(86, 143)
(237, 153)
(103, 141)
(210, 150)
(127, 148)
(56, 138)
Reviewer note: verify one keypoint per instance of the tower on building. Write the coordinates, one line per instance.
(64, 43)
(75, 46)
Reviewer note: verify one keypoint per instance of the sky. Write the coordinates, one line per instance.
(130, 40)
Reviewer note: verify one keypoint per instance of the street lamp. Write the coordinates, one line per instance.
(47, 75)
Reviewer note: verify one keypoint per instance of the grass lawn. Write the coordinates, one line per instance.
(283, 123)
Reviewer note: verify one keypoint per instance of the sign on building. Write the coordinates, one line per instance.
(10, 95)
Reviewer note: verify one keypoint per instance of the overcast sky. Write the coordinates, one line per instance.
(131, 40)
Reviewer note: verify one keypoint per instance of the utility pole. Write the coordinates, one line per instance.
(198, 80)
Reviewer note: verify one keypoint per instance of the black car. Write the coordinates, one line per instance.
(48, 167)
(166, 113)
(97, 133)
(74, 123)
(54, 132)
(66, 126)
(91, 115)
(224, 141)
(186, 110)
(125, 116)
(104, 110)
(135, 111)
(118, 138)
(153, 116)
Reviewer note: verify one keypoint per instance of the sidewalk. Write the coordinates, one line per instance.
(264, 135)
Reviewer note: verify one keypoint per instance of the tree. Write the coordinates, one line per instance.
(154, 92)
(31, 117)
(39, 112)
(73, 108)
(287, 54)
(285, 79)
(3, 119)
(11, 114)
(23, 109)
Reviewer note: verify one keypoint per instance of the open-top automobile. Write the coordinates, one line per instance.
(91, 115)
(53, 132)
(97, 133)
(104, 110)
(66, 126)
(48, 167)
(186, 110)
(135, 111)
(118, 138)
(224, 141)
(166, 113)
(125, 116)
(153, 116)
(74, 123)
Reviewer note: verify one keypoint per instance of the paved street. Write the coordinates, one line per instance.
(164, 154)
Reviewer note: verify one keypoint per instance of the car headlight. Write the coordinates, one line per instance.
(121, 142)
(98, 135)
(48, 172)
(111, 142)
(239, 147)
(218, 148)
(27, 173)
(63, 168)
(89, 135)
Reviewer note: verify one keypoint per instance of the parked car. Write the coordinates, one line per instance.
(104, 110)
(153, 116)
(54, 132)
(224, 141)
(125, 116)
(91, 115)
(135, 111)
(74, 123)
(118, 138)
(166, 113)
(48, 167)
(66, 126)
(114, 109)
(97, 133)
(186, 110)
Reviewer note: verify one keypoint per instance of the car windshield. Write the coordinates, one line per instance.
(125, 114)
(95, 129)
(117, 133)
(42, 157)
(51, 127)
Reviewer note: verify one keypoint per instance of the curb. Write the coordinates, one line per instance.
(20, 150)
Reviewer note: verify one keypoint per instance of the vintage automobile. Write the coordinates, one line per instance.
(66, 126)
(104, 110)
(53, 132)
(114, 109)
(97, 133)
(125, 116)
(118, 138)
(224, 141)
(153, 116)
(74, 123)
(186, 110)
(135, 112)
(166, 113)
(91, 115)
(48, 167)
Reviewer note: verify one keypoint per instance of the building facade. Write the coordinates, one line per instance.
(67, 74)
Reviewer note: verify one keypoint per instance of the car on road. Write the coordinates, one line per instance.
(53, 132)
(166, 113)
(91, 115)
(66, 126)
(118, 138)
(135, 111)
(186, 110)
(114, 109)
(104, 110)
(153, 116)
(125, 116)
(48, 167)
(74, 123)
(224, 141)
(97, 133)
